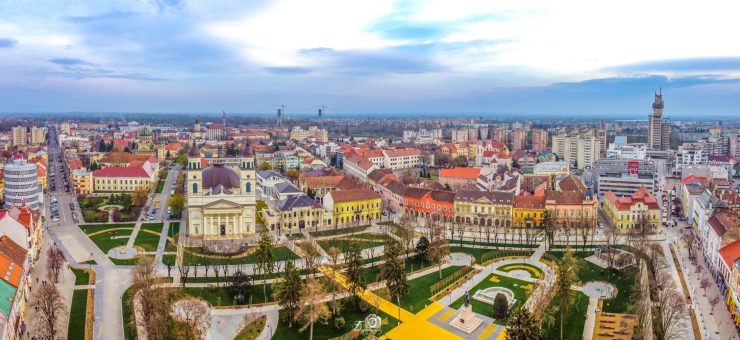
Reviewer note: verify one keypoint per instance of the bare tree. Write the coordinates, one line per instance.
(671, 309)
(311, 257)
(216, 272)
(196, 314)
(312, 307)
(54, 263)
(51, 310)
(714, 302)
(184, 270)
(332, 285)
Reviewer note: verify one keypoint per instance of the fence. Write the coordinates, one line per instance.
(504, 254)
(447, 281)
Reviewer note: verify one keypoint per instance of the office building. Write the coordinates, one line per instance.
(659, 131)
(539, 140)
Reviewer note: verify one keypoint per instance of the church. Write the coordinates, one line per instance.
(221, 203)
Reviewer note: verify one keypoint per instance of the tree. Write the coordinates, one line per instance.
(264, 256)
(240, 286)
(355, 278)
(197, 315)
(138, 197)
(393, 271)
(671, 309)
(548, 225)
(265, 165)
(422, 248)
(51, 311)
(500, 306)
(567, 274)
(176, 202)
(288, 292)
(54, 263)
(522, 325)
(153, 301)
(332, 285)
(312, 307)
(292, 174)
(438, 247)
(182, 159)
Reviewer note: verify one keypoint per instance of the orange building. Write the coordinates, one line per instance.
(427, 203)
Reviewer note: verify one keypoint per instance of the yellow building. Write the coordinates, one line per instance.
(122, 179)
(354, 206)
(82, 181)
(485, 208)
(528, 210)
(624, 212)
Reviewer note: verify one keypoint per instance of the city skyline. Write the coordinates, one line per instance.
(396, 56)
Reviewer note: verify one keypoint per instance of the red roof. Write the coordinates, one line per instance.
(692, 178)
(730, 253)
(625, 202)
(121, 172)
(467, 173)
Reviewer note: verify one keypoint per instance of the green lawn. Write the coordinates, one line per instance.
(475, 252)
(573, 323)
(129, 329)
(362, 241)
(623, 279)
(533, 270)
(514, 285)
(492, 244)
(222, 297)
(412, 264)
(327, 331)
(338, 231)
(174, 230)
(169, 259)
(261, 205)
(82, 277)
(91, 228)
(78, 312)
(149, 241)
(281, 253)
(419, 294)
(160, 184)
(105, 242)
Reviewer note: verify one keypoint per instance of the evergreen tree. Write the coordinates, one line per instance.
(522, 325)
(393, 271)
(288, 292)
(265, 257)
(422, 248)
(500, 306)
(355, 277)
(567, 274)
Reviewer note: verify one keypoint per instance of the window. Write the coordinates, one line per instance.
(195, 188)
(248, 187)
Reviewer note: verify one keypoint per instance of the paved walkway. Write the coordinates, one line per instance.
(588, 328)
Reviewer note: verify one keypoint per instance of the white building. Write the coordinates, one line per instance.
(401, 158)
(22, 185)
(579, 150)
(690, 154)
(627, 151)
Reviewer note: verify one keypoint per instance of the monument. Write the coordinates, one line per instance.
(466, 320)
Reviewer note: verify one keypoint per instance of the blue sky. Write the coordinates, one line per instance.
(550, 57)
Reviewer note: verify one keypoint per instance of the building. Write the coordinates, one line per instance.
(358, 167)
(21, 186)
(354, 206)
(690, 154)
(266, 182)
(458, 177)
(626, 211)
(313, 133)
(296, 213)
(579, 150)
(519, 139)
(401, 158)
(19, 136)
(38, 135)
(539, 140)
(551, 168)
(659, 131)
(221, 202)
(627, 151)
(484, 208)
(572, 205)
(528, 210)
(724, 229)
(429, 204)
(625, 176)
(82, 181)
(122, 179)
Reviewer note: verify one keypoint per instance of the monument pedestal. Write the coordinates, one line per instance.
(466, 321)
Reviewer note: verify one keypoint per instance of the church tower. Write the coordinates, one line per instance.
(196, 129)
(659, 131)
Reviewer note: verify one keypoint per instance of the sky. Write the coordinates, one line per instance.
(589, 58)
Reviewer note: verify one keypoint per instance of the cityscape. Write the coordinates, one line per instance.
(422, 177)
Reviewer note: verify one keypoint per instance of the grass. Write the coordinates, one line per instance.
(89, 262)
(623, 279)
(174, 230)
(362, 241)
(492, 244)
(281, 253)
(520, 294)
(261, 205)
(419, 294)
(413, 263)
(474, 252)
(169, 259)
(82, 277)
(147, 241)
(350, 313)
(573, 324)
(105, 242)
(160, 184)
(129, 330)
(338, 231)
(91, 228)
(126, 262)
(534, 271)
(77, 315)
(220, 296)
(252, 330)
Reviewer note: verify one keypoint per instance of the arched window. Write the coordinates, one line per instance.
(195, 188)
(249, 187)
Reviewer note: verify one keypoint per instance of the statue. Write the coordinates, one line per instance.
(467, 298)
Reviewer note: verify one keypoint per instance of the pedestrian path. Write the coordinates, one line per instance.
(539, 252)
(162, 242)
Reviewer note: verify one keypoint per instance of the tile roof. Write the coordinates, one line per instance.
(625, 202)
(466, 173)
(286, 188)
(293, 202)
(563, 197)
(402, 152)
(571, 183)
(529, 202)
(111, 171)
(499, 197)
(12, 250)
(722, 222)
(730, 253)
(341, 196)
(397, 188)
(10, 271)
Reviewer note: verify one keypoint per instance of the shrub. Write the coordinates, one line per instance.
(500, 306)
(339, 323)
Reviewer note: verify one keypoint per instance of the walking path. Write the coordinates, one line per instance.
(588, 328)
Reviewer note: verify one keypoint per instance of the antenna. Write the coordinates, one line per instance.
(280, 112)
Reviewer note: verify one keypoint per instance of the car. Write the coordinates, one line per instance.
(151, 217)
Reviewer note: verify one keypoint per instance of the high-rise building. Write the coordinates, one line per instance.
(19, 136)
(539, 140)
(501, 134)
(21, 184)
(519, 139)
(579, 150)
(659, 131)
(38, 135)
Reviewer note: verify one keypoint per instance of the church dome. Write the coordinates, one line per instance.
(194, 152)
(145, 132)
(218, 174)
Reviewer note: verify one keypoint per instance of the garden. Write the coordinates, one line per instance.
(361, 241)
(521, 290)
(193, 256)
(118, 207)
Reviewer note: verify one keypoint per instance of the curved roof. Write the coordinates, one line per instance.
(145, 132)
(194, 152)
(218, 174)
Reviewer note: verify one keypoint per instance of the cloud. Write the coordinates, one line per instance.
(68, 61)
(7, 42)
(107, 16)
(694, 65)
(285, 70)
